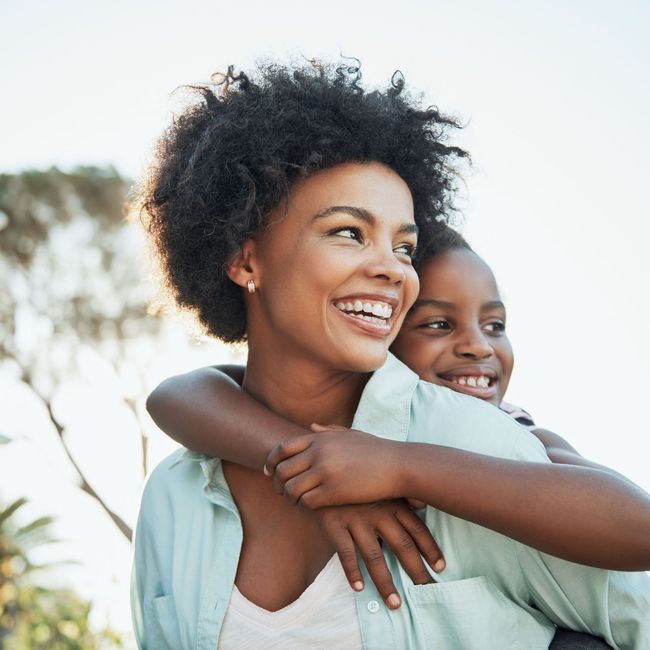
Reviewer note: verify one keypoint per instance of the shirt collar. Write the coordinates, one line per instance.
(385, 406)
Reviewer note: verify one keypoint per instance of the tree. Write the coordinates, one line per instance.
(69, 263)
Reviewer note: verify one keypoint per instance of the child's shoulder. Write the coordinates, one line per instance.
(517, 413)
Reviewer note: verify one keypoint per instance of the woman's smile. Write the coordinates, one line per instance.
(371, 313)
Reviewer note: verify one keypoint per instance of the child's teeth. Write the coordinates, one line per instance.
(480, 382)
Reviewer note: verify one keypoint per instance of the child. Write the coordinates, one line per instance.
(455, 336)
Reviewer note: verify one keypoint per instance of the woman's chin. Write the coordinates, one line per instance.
(366, 358)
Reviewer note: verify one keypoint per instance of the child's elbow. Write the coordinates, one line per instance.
(159, 400)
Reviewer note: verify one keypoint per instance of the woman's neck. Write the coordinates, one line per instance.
(301, 390)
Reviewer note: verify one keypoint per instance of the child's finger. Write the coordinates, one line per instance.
(422, 537)
(295, 489)
(347, 553)
(372, 555)
(286, 449)
(289, 468)
(404, 547)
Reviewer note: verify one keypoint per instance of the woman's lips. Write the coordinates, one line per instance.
(371, 313)
(374, 326)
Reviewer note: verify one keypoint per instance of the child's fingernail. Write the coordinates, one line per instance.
(266, 471)
(439, 566)
(393, 600)
(357, 586)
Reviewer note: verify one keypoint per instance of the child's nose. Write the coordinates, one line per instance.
(474, 345)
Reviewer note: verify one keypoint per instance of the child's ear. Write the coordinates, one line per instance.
(244, 267)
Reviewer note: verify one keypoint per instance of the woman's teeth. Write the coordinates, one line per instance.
(480, 382)
(374, 312)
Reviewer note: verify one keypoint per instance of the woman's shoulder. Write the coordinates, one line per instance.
(443, 416)
(174, 478)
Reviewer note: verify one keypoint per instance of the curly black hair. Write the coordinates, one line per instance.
(232, 157)
(445, 240)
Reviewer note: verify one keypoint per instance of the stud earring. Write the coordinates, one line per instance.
(251, 286)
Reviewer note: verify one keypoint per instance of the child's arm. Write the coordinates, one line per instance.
(560, 451)
(579, 514)
(557, 448)
(207, 411)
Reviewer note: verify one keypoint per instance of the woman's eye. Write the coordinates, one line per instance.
(438, 324)
(348, 233)
(406, 249)
(496, 327)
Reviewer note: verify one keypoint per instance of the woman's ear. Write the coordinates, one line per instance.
(244, 267)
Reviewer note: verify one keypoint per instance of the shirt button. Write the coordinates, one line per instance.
(373, 606)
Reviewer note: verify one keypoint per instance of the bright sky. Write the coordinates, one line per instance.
(556, 97)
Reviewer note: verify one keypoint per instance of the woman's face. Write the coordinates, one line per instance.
(455, 333)
(334, 272)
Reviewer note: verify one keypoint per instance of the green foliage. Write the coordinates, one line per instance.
(33, 617)
(68, 260)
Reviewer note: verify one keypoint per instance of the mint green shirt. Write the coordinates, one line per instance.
(494, 593)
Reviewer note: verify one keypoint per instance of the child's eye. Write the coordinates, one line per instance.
(348, 232)
(438, 324)
(496, 327)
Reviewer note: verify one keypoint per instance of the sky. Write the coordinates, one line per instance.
(555, 97)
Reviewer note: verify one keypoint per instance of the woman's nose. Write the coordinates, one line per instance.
(386, 266)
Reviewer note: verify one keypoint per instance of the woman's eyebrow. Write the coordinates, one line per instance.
(363, 215)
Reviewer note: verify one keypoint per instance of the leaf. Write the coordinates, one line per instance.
(37, 525)
(10, 509)
(4, 440)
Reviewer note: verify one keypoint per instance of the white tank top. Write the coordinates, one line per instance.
(324, 617)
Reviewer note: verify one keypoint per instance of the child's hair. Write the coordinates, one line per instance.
(446, 239)
(232, 157)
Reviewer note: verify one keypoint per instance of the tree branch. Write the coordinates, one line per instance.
(144, 440)
(123, 527)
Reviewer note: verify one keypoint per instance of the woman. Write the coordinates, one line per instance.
(272, 204)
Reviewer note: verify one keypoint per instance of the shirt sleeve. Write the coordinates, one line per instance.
(612, 605)
(153, 544)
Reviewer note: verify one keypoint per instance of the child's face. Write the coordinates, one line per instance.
(454, 335)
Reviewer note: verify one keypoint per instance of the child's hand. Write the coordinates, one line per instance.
(349, 528)
(335, 466)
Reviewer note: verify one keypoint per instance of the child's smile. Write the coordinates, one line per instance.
(455, 333)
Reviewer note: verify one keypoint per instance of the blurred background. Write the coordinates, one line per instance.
(555, 97)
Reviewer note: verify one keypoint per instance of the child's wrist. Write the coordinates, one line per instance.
(401, 475)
